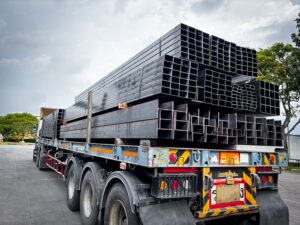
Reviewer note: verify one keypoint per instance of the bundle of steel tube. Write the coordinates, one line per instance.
(186, 86)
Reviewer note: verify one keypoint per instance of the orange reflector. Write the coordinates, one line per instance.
(123, 105)
(229, 158)
(270, 179)
(163, 185)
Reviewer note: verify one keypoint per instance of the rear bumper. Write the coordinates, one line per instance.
(178, 213)
(227, 211)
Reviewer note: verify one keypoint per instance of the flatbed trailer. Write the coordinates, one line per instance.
(181, 185)
(174, 136)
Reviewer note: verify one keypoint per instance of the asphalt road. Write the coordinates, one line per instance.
(31, 197)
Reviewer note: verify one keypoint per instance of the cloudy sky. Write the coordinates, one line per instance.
(51, 50)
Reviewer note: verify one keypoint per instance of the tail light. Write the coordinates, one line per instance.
(268, 180)
(174, 185)
(264, 179)
(268, 177)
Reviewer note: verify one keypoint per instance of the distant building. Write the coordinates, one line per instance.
(294, 147)
(1, 138)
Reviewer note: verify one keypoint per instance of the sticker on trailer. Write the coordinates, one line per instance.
(242, 192)
(214, 158)
(244, 158)
(213, 195)
(78, 147)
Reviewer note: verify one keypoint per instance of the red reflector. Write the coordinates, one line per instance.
(173, 157)
(264, 179)
(181, 170)
(175, 185)
(259, 169)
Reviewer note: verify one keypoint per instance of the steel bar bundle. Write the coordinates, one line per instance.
(246, 62)
(177, 121)
(52, 124)
(214, 87)
(182, 42)
(244, 97)
(187, 86)
(267, 95)
(167, 75)
(223, 54)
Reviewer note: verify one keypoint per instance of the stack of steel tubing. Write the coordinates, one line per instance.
(186, 86)
(223, 54)
(246, 62)
(215, 87)
(167, 75)
(267, 95)
(52, 124)
(178, 121)
(181, 42)
(244, 97)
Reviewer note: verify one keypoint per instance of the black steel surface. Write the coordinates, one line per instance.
(187, 86)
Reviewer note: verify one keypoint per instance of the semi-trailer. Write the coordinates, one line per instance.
(178, 134)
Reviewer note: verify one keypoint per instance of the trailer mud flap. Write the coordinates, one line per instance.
(169, 213)
(273, 210)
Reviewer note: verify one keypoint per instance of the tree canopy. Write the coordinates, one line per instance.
(18, 126)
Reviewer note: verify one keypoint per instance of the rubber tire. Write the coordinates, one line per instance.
(33, 157)
(119, 193)
(74, 202)
(37, 162)
(93, 218)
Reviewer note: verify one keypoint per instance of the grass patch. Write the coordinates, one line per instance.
(15, 143)
(290, 168)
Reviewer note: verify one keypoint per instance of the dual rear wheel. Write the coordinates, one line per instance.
(117, 207)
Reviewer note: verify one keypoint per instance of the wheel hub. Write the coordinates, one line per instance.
(87, 200)
(71, 186)
(118, 214)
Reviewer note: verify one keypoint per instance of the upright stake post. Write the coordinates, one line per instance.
(89, 118)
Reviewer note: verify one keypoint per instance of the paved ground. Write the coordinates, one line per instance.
(31, 197)
(289, 189)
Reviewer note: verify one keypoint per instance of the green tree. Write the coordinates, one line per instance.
(17, 126)
(280, 64)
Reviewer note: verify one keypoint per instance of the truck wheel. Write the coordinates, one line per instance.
(37, 158)
(41, 160)
(117, 208)
(89, 209)
(73, 196)
(34, 155)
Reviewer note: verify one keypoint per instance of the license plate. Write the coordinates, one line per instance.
(228, 193)
(222, 195)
